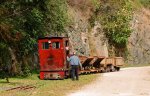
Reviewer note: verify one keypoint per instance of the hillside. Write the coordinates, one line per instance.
(93, 39)
(95, 27)
(138, 43)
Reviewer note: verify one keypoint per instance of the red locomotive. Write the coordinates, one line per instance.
(53, 52)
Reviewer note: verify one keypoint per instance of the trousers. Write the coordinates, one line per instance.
(74, 72)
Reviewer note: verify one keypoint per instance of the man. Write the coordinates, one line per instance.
(74, 62)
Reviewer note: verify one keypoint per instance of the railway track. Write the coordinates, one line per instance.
(27, 87)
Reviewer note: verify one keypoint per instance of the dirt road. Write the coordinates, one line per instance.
(133, 81)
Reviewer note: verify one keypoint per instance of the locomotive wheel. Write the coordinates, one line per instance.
(66, 77)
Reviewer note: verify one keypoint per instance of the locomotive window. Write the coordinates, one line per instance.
(56, 45)
(45, 45)
(66, 43)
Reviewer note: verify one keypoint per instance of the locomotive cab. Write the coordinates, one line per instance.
(53, 53)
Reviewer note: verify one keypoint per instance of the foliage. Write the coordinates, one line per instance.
(115, 18)
(22, 22)
(146, 3)
(5, 57)
(117, 26)
(56, 15)
(96, 4)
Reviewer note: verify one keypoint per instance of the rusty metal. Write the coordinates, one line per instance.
(53, 53)
(21, 88)
(97, 64)
(54, 64)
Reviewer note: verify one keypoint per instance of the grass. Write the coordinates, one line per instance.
(48, 87)
(44, 87)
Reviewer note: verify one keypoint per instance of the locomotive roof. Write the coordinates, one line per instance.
(52, 37)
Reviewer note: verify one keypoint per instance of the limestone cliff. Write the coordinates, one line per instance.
(91, 41)
(139, 41)
(84, 39)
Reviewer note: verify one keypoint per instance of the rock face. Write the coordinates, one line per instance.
(88, 42)
(139, 41)
(91, 41)
(84, 39)
(97, 41)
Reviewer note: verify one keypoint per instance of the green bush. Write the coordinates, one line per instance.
(22, 22)
(115, 18)
(146, 3)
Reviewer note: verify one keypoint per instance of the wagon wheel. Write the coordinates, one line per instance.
(108, 69)
(112, 68)
(117, 68)
(103, 71)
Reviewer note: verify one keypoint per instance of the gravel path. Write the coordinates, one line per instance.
(133, 81)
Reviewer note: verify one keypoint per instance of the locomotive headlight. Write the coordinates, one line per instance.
(49, 41)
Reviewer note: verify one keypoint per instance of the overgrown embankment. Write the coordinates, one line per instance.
(95, 27)
(21, 23)
(138, 43)
(110, 28)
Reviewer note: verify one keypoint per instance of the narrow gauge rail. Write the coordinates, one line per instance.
(22, 88)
